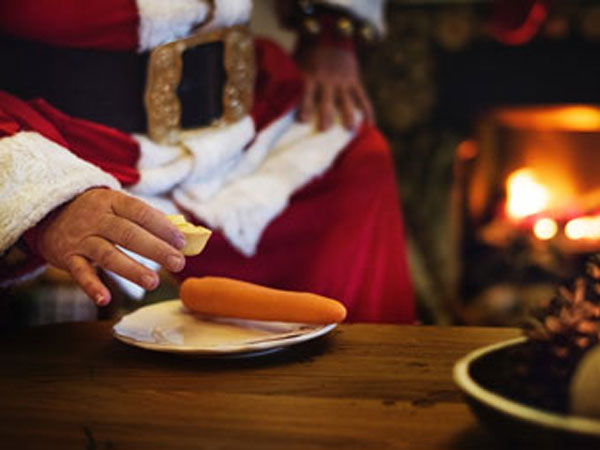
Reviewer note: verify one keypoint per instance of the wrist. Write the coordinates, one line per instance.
(33, 236)
(326, 31)
(320, 25)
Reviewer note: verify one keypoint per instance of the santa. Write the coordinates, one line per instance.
(114, 113)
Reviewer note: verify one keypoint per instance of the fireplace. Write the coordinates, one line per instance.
(529, 196)
(450, 92)
(537, 174)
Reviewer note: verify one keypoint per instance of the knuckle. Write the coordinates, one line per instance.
(128, 236)
(105, 224)
(143, 214)
(78, 271)
(106, 257)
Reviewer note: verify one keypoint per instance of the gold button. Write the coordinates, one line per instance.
(367, 33)
(312, 26)
(345, 27)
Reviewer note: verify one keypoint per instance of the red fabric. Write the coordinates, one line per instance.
(111, 150)
(20, 116)
(99, 24)
(342, 236)
(516, 22)
(278, 83)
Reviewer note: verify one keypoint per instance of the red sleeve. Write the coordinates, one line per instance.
(114, 152)
(107, 148)
(100, 24)
(8, 125)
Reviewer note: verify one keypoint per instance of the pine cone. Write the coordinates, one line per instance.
(570, 323)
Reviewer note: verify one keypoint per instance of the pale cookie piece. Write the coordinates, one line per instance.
(196, 237)
(177, 219)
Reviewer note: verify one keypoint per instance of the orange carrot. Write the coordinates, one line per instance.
(232, 298)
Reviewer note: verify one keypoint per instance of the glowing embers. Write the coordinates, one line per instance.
(581, 228)
(532, 204)
(545, 228)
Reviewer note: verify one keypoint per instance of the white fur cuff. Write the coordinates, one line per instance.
(36, 176)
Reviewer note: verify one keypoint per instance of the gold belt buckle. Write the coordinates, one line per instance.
(165, 66)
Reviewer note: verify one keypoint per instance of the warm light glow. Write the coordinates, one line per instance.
(545, 228)
(525, 195)
(578, 118)
(583, 228)
(467, 149)
(555, 118)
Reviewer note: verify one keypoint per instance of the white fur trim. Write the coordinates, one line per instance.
(161, 167)
(203, 160)
(241, 191)
(36, 176)
(230, 12)
(368, 10)
(153, 155)
(244, 208)
(198, 189)
(212, 147)
(163, 21)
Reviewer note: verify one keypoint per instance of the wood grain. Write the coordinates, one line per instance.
(363, 386)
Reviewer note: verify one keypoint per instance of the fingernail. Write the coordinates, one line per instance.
(149, 281)
(101, 300)
(179, 241)
(175, 263)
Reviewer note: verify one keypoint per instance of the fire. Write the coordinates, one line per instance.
(525, 194)
(586, 227)
(545, 228)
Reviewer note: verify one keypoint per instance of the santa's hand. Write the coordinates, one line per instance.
(85, 232)
(332, 84)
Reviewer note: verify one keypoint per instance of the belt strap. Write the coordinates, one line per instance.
(108, 86)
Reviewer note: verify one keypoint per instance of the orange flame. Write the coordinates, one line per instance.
(525, 194)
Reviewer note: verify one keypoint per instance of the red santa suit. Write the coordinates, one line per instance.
(292, 207)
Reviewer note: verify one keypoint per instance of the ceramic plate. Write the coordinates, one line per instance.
(169, 327)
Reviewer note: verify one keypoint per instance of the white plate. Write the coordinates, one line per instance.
(169, 327)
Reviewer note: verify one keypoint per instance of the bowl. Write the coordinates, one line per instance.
(513, 416)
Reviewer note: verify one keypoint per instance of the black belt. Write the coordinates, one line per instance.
(108, 86)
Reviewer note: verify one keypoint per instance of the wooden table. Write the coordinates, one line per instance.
(363, 386)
